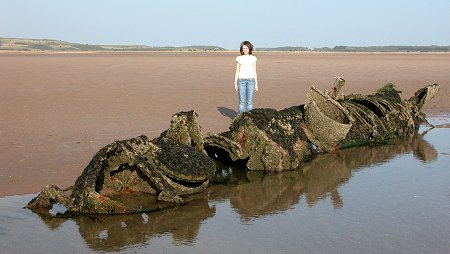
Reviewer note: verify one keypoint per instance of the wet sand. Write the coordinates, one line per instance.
(390, 198)
(58, 110)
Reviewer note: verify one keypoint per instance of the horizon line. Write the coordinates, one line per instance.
(217, 46)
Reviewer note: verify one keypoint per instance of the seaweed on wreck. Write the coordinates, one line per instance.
(179, 162)
(283, 127)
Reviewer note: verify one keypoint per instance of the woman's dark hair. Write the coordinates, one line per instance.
(249, 46)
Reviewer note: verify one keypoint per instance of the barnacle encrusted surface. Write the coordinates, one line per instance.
(179, 162)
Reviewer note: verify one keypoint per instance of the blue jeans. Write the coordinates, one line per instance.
(246, 88)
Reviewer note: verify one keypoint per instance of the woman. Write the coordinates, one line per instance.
(246, 79)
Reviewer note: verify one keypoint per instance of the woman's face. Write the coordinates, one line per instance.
(245, 50)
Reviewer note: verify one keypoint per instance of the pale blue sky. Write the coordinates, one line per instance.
(310, 23)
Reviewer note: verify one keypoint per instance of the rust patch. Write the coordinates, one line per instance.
(299, 149)
(241, 137)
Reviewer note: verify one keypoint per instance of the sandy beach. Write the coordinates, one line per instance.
(58, 110)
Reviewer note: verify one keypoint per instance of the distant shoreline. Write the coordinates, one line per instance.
(47, 45)
(54, 52)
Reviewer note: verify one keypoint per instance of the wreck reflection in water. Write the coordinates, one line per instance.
(252, 195)
(320, 178)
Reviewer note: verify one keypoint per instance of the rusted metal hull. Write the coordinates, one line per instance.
(180, 162)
